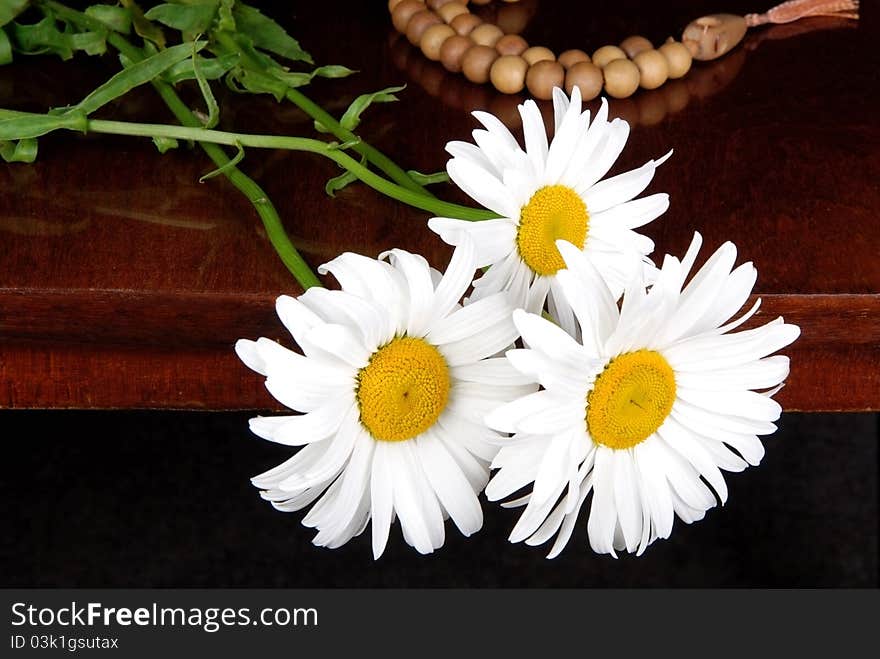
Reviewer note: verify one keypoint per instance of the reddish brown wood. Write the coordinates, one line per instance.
(124, 282)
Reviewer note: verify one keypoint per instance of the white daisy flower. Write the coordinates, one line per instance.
(545, 193)
(645, 410)
(393, 383)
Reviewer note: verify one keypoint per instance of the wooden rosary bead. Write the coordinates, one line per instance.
(477, 63)
(446, 31)
(587, 77)
(486, 34)
(653, 68)
(464, 24)
(451, 10)
(569, 58)
(508, 74)
(511, 44)
(433, 38)
(420, 22)
(537, 54)
(542, 77)
(678, 57)
(607, 54)
(634, 45)
(621, 78)
(404, 11)
(452, 52)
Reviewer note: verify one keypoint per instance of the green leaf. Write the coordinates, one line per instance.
(225, 21)
(20, 151)
(298, 79)
(336, 146)
(337, 183)
(26, 126)
(205, 88)
(191, 20)
(5, 48)
(137, 74)
(40, 38)
(9, 9)
(352, 116)
(258, 83)
(428, 179)
(117, 19)
(93, 43)
(226, 166)
(267, 34)
(149, 31)
(165, 144)
(212, 69)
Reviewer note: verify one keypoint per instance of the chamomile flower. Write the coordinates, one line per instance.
(549, 192)
(645, 410)
(393, 384)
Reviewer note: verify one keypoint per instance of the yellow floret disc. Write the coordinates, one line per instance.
(403, 389)
(630, 399)
(555, 212)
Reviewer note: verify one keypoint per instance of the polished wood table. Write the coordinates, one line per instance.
(124, 282)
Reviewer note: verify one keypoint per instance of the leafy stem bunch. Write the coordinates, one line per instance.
(205, 41)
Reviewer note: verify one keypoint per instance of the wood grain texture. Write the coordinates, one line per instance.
(124, 282)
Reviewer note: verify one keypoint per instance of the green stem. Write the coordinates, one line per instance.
(208, 137)
(319, 114)
(246, 185)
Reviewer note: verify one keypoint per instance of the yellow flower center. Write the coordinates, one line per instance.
(555, 212)
(403, 389)
(630, 399)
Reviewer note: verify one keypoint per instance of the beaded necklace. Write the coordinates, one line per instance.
(447, 32)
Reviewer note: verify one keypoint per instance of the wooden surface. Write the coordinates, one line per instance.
(124, 282)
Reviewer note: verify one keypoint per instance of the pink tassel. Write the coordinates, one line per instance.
(795, 9)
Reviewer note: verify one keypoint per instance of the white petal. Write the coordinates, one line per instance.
(472, 320)
(631, 214)
(452, 488)
(589, 297)
(248, 353)
(488, 343)
(456, 280)
(295, 316)
(381, 498)
(342, 307)
(621, 188)
(680, 440)
(305, 428)
(482, 187)
(705, 353)
(627, 500)
(341, 342)
(417, 273)
(609, 150)
(493, 239)
(508, 418)
(497, 371)
(603, 517)
(331, 462)
(535, 135)
(759, 374)
(571, 518)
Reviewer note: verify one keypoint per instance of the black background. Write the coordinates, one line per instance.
(149, 499)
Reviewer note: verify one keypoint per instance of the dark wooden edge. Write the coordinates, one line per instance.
(126, 349)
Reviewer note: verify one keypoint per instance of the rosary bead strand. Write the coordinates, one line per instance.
(446, 31)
